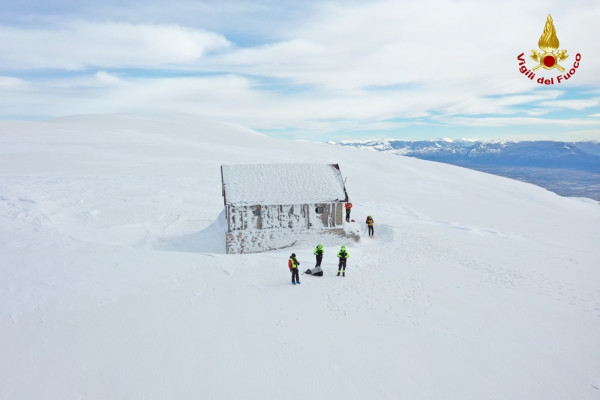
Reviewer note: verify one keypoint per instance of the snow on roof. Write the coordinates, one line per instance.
(246, 184)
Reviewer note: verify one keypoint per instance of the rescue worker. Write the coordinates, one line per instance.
(370, 222)
(342, 256)
(319, 254)
(293, 264)
(348, 207)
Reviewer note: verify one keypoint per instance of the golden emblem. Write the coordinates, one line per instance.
(549, 44)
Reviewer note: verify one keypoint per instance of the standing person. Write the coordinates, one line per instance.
(343, 256)
(370, 226)
(293, 264)
(348, 207)
(319, 254)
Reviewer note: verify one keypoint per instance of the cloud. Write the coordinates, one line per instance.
(479, 105)
(77, 45)
(241, 100)
(518, 121)
(390, 43)
(107, 78)
(576, 104)
(10, 82)
(321, 66)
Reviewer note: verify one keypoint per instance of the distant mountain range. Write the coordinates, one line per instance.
(567, 168)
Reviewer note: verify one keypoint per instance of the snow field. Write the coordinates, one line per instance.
(115, 283)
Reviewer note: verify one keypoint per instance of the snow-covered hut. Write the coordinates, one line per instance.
(271, 206)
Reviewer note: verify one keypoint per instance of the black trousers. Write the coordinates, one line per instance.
(319, 259)
(371, 230)
(342, 265)
(347, 215)
(295, 275)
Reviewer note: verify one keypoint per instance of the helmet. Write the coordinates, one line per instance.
(343, 247)
(293, 254)
(320, 246)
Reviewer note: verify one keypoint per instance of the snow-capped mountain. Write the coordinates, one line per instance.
(545, 154)
(569, 169)
(115, 284)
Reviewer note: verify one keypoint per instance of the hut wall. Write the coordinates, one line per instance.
(258, 217)
(291, 216)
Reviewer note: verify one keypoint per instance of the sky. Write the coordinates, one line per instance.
(309, 70)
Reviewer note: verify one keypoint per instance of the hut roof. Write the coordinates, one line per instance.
(266, 184)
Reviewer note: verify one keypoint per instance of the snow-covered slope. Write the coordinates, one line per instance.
(115, 284)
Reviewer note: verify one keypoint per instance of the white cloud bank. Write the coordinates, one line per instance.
(350, 66)
(77, 45)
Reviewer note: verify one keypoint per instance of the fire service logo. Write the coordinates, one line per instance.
(549, 58)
